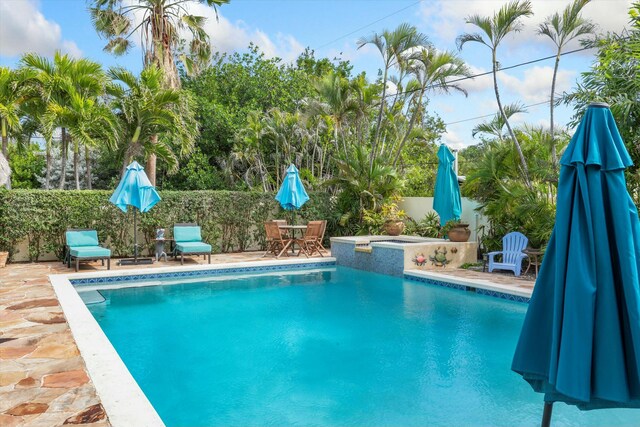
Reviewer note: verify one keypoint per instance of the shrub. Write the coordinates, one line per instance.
(230, 221)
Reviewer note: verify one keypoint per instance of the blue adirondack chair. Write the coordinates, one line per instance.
(512, 246)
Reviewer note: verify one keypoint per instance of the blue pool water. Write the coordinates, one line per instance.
(326, 348)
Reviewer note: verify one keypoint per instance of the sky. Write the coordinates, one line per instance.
(283, 28)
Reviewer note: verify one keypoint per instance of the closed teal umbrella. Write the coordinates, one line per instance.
(580, 342)
(446, 200)
(292, 194)
(135, 190)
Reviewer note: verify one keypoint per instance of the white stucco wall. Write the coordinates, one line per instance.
(418, 207)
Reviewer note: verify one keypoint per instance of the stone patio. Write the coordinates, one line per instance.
(43, 379)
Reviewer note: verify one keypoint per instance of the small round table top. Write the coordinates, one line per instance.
(293, 227)
(530, 251)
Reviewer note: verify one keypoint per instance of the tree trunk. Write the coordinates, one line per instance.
(63, 157)
(554, 155)
(412, 122)
(47, 178)
(161, 54)
(380, 112)
(76, 165)
(87, 173)
(5, 148)
(150, 169)
(523, 161)
(5, 140)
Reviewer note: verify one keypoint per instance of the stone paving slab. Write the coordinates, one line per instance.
(43, 379)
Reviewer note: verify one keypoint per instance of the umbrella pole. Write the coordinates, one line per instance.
(135, 236)
(546, 414)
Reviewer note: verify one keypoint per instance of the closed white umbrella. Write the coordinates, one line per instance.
(5, 170)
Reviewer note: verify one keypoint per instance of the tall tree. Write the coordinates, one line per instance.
(53, 80)
(162, 21)
(89, 123)
(494, 29)
(146, 110)
(561, 29)
(393, 46)
(432, 71)
(12, 97)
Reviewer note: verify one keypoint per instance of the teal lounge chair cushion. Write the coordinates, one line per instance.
(82, 238)
(89, 251)
(187, 234)
(193, 247)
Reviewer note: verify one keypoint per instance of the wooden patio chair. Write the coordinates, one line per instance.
(310, 242)
(277, 244)
(321, 238)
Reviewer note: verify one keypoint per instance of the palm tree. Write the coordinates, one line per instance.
(52, 81)
(336, 101)
(151, 116)
(12, 98)
(561, 29)
(495, 126)
(495, 29)
(432, 71)
(88, 122)
(392, 45)
(160, 28)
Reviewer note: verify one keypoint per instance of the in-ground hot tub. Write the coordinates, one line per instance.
(394, 254)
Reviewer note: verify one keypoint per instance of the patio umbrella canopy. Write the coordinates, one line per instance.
(580, 342)
(446, 200)
(292, 194)
(135, 190)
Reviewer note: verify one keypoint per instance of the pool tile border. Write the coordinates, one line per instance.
(466, 285)
(201, 272)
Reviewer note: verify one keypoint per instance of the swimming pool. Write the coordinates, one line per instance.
(327, 346)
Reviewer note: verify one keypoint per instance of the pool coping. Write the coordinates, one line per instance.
(484, 287)
(122, 398)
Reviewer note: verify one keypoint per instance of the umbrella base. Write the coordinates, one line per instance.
(135, 261)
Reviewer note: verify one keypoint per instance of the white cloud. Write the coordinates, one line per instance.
(227, 36)
(535, 84)
(477, 84)
(446, 18)
(453, 139)
(23, 28)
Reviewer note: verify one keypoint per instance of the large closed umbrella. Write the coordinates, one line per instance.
(5, 170)
(580, 342)
(446, 200)
(135, 190)
(292, 194)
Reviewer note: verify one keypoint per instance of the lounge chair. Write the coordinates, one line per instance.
(82, 245)
(277, 243)
(512, 246)
(188, 241)
(310, 242)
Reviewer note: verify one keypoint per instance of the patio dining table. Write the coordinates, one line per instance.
(293, 229)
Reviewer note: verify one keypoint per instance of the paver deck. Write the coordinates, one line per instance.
(43, 379)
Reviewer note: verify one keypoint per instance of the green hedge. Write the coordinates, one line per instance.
(230, 221)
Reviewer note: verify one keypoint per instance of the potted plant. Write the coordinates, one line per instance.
(456, 230)
(393, 218)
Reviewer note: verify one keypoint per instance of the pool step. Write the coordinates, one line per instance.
(92, 297)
